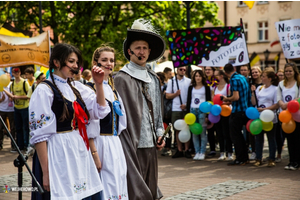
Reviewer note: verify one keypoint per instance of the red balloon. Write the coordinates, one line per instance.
(293, 106)
(217, 99)
(248, 125)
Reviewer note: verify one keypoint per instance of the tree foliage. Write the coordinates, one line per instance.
(88, 24)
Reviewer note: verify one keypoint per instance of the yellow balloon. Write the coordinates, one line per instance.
(267, 126)
(212, 103)
(4, 80)
(1, 88)
(190, 118)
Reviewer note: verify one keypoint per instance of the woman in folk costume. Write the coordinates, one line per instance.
(104, 138)
(59, 112)
(140, 90)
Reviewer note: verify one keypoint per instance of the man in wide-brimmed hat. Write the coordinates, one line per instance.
(139, 88)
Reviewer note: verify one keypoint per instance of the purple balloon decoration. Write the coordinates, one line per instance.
(213, 119)
(296, 116)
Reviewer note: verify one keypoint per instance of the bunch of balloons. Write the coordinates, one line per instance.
(289, 116)
(4, 80)
(259, 122)
(213, 109)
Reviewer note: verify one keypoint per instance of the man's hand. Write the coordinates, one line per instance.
(159, 147)
(183, 106)
(177, 93)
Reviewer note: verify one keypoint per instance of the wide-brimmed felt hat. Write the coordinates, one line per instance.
(155, 41)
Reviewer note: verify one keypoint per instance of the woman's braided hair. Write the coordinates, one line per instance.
(96, 56)
(61, 52)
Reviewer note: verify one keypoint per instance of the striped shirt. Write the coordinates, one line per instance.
(240, 84)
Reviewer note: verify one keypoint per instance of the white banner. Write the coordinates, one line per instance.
(289, 36)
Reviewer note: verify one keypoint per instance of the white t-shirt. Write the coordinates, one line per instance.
(6, 105)
(267, 97)
(183, 84)
(198, 96)
(223, 91)
(288, 94)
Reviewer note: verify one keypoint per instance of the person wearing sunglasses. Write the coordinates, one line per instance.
(177, 90)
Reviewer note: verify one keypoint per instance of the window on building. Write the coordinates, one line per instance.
(262, 2)
(246, 31)
(263, 32)
(241, 4)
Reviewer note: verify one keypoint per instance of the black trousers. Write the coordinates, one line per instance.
(293, 141)
(211, 138)
(236, 122)
(222, 130)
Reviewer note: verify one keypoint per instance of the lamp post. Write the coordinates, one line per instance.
(266, 53)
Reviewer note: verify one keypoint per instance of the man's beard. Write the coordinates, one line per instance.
(180, 75)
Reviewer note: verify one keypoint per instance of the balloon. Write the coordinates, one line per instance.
(226, 110)
(214, 119)
(205, 107)
(285, 116)
(217, 99)
(210, 125)
(215, 110)
(293, 106)
(1, 72)
(289, 127)
(212, 103)
(298, 100)
(180, 124)
(1, 88)
(296, 116)
(267, 126)
(184, 135)
(252, 113)
(248, 125)
(267, 116)
(256, 127)
(4, 80)
(196, 128)
(190, 118)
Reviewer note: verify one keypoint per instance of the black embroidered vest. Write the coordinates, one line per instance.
(57, 108)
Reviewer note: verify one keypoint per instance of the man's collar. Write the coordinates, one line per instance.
(138, 72)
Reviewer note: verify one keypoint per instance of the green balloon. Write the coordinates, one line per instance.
(196, 128)
(298, 100)
(256, 127)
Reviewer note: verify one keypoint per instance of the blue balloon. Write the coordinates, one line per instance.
(215, 110)
(1, 72)
(252, 113)
(205, 107)
(117, 108)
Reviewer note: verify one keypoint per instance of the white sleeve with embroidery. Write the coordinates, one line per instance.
(90, 99)
(42, 121)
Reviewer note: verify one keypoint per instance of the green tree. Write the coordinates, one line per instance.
(87, 25)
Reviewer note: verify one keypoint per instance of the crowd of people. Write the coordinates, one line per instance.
(95, 136)
(264, 90)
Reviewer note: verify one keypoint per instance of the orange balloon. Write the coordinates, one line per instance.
(289, 127)
(226, 110)
(285, 116)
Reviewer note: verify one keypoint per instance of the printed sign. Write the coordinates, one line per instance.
(215, 46)
(18, 51)
(289, 36)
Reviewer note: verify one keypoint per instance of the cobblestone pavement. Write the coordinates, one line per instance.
(183, 178)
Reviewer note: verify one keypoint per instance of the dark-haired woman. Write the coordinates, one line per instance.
(198, 93)
(59, 113)
(212, 82)
(287, 90)
(266, 100)
(104, 138)
(222, 127)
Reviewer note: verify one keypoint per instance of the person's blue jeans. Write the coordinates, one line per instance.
(200, 118)
(22, 127)
(271, 140)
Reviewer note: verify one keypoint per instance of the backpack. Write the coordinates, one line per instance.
(24, 88)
